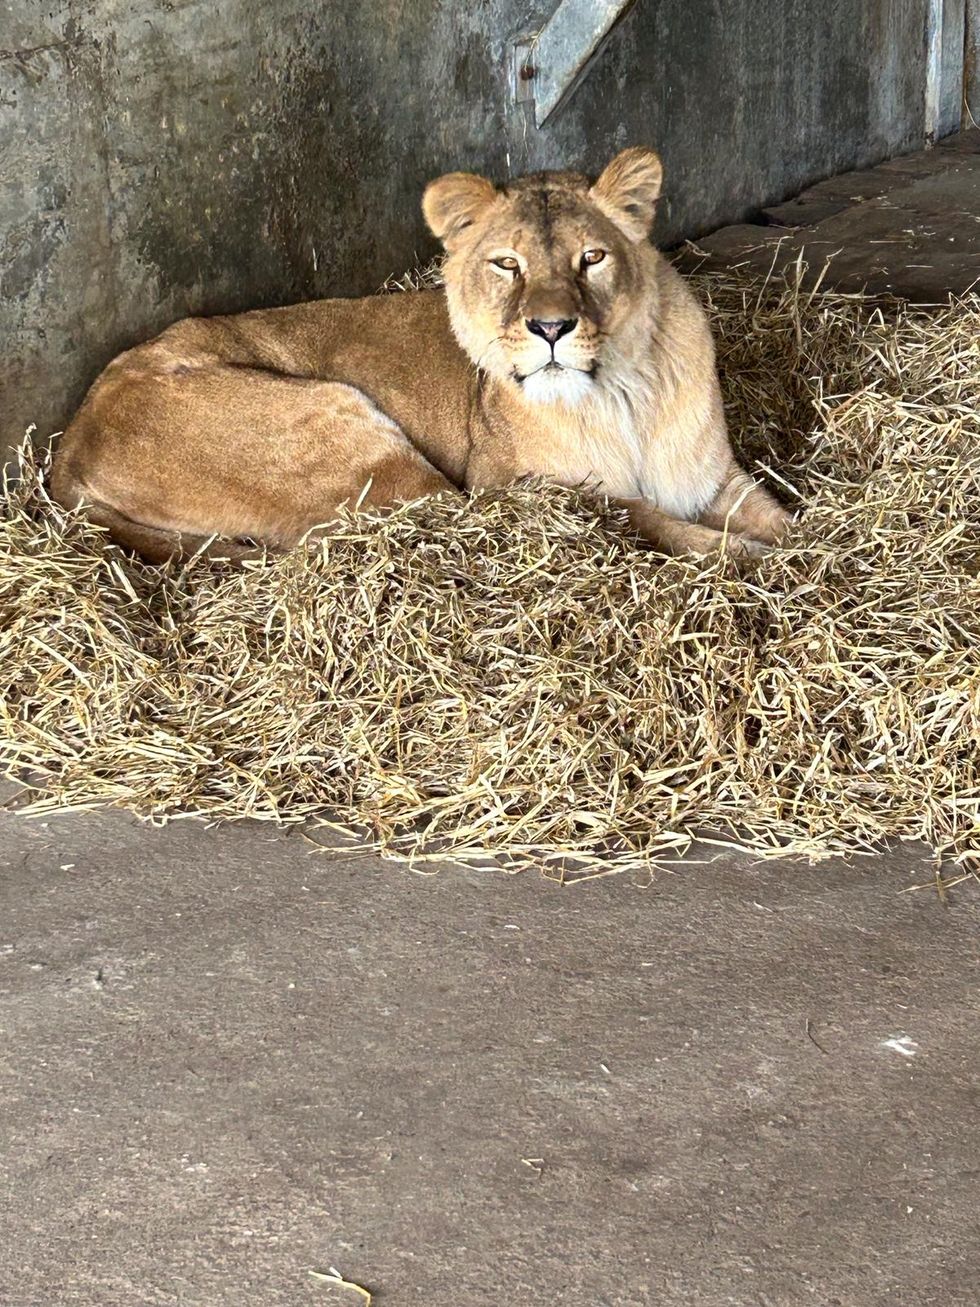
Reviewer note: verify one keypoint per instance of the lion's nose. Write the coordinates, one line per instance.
(551, 331)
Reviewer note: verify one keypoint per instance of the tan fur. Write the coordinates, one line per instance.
(263, 424)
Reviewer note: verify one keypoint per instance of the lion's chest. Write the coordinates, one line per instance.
(593, 445)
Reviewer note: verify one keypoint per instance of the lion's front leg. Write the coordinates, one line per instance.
(742, 507)
(672, 536)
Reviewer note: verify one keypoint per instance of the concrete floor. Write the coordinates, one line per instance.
(227, 1059)
(909, 227)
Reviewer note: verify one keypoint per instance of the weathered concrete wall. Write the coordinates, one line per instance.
(946, 42)
(971, 68)
(164, 157)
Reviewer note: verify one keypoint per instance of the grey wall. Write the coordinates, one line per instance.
(164, 157)
(971, 70)
(945, 83)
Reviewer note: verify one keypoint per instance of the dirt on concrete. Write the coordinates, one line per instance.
(228, 1060)
(910, 227)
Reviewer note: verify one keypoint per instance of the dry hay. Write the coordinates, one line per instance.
(513, 675)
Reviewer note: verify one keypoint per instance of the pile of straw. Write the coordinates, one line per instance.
(513, 675)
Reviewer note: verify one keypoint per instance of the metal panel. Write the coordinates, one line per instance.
(552, 62)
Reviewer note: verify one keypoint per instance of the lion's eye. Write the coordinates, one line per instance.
(507, 263)
(591, 257)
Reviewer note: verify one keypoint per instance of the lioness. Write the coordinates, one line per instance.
(563, 345)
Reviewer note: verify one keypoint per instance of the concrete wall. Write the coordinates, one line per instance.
(164, 157)
(971, 69)
(945, 66)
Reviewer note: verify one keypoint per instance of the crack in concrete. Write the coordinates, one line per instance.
(71, 43)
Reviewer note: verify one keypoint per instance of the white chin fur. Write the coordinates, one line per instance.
(557, 386)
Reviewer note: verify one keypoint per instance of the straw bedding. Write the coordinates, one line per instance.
(513, 675)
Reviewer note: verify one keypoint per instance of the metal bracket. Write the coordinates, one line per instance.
(549, 64)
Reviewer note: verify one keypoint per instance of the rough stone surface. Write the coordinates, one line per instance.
(909, 227)
(228, 1060)
(166, 157)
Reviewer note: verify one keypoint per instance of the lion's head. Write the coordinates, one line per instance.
(547, 276)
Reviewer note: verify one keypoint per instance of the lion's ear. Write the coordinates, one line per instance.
(628, 190)
(453, 202)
